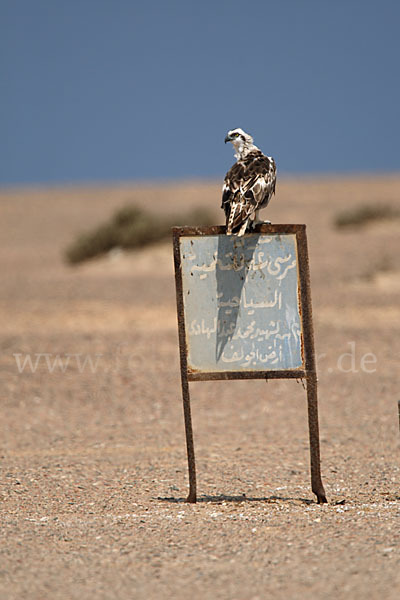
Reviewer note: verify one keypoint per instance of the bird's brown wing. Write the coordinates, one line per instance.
(259, 180)
(231, 186)
(248, 186)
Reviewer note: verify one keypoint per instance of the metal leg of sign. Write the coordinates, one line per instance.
(398, 404)
(192, 497)
(312, 400)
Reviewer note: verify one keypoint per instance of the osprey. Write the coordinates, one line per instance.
(248, 185)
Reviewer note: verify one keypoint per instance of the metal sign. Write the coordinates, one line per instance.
(244, 311)
(241, 304)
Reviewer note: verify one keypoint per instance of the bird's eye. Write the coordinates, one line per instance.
(235, 134)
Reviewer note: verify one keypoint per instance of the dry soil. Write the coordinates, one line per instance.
(92, 445)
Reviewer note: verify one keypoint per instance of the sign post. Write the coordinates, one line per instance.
(244, 312)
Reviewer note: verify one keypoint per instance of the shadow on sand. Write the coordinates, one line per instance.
(226, 498)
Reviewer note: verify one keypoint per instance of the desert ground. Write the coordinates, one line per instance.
(93, 457)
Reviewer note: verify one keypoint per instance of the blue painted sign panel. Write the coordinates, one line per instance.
(241, 302)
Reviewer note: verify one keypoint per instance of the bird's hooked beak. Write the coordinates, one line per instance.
(228, 138)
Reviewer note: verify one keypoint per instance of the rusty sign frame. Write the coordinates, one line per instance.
(308, 373)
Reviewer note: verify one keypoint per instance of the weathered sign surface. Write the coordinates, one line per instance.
(241, 302)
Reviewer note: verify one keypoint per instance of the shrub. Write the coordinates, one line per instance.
(130, 227)
(365, 214)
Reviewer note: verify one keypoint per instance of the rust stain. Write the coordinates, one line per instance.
(301, 321)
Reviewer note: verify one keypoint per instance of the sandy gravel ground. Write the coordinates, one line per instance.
(94, 471)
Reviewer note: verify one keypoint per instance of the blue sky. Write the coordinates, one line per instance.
(95, 90)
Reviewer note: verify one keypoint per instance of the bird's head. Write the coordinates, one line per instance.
(241, 141)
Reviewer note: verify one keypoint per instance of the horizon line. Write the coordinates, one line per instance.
(169, 181)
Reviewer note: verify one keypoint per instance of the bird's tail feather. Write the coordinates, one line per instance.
(243, 228)
(237, 220)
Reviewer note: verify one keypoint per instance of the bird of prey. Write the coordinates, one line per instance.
(248, 185)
